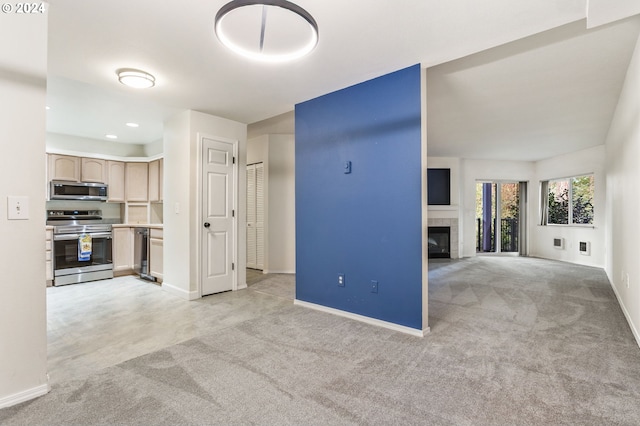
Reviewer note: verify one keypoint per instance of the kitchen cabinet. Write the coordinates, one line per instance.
(155, 181)
(48, 253)
(64, 167)
(93, 170)
(137, 182)
(156, 260)
(122, 249)
(115, 180)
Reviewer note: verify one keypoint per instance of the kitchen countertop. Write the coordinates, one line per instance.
(138, 225)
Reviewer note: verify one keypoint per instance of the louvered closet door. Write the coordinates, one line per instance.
(251, 216)
(259, 216)
(255, 216)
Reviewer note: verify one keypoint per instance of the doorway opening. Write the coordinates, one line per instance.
(500, 217)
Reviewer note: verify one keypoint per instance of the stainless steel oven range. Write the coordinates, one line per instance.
(82, 246)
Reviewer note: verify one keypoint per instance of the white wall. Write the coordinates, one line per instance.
(475, 170)
(283, 124)
(281, 230)
(153, 149)
(623, 195)
(600, 12)
(181, 183)
(67, 144)
(23, 338)
(177, 164)
(258, 149)
(541, 237)
(277, 153)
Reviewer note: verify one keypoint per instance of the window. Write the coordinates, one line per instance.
(568, 201)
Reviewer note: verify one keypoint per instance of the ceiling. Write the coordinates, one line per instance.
(546, 95)
(550, 92)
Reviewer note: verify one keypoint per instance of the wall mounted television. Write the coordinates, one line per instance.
(439, 187)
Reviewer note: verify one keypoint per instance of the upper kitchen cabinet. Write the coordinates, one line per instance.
(137, 182)
(155, 181)
(93, 170)
(115, 179)
(64, 167)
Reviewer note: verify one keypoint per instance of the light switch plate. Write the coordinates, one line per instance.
(17, 208)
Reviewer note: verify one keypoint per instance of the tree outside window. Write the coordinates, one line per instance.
(571, 201)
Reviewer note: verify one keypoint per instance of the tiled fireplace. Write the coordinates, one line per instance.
(443, 238)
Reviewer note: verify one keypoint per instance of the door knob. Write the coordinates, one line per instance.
(207, 224)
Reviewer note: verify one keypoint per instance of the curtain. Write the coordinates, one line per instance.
(544, 202)
(522, 220)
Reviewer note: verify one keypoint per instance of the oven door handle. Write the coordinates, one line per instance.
(67, 237)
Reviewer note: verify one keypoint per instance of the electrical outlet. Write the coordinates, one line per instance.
(340, 280)
(374, 286)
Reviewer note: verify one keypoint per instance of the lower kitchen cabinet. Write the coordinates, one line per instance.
(49, 255)
(156, 253)
(122, 249)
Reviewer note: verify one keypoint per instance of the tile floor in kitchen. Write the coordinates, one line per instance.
(98, 324)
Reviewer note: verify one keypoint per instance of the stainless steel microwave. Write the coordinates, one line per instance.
(85, 191)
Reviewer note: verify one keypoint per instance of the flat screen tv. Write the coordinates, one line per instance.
(439, 187)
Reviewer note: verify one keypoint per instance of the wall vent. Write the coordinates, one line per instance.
(585, 248)
(558, 243)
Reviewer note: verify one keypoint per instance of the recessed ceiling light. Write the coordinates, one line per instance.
(133, 125)
(47, 107)
(135, 78)
(284, 32)
(111, 136)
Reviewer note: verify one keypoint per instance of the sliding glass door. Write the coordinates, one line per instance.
(498, 218)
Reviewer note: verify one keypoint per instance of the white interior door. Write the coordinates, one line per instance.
(218, 216)
(255, 216)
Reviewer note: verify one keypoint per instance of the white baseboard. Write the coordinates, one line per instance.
(179, 292)
(372, 321)
(634, 330)
(24, 396)
(271, 271)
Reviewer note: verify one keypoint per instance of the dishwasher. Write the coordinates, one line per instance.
(141, 253)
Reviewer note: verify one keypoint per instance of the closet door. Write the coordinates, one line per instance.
(251, 216)
(259, 216)
(255, 216)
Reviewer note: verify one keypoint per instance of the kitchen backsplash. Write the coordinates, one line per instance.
(110, 211)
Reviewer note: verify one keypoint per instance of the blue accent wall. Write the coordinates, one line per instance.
(362, 219)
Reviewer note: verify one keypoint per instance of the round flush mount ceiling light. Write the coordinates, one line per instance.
(267, 30)
(135, 78)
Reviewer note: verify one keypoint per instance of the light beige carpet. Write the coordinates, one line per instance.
(514, 341)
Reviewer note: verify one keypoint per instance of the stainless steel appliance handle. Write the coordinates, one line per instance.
(66, 237)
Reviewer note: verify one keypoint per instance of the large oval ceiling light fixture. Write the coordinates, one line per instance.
(267, 30)
(135, 78)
